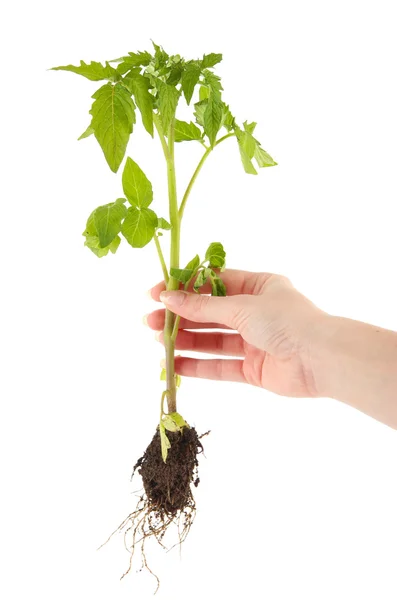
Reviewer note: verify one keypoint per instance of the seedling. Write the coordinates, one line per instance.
(155, 83)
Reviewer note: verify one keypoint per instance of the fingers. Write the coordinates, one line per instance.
(237, 282)
(229, 344)
(155, 320)
(232, 311)
(219, 369)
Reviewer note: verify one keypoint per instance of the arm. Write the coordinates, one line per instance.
(357, 363)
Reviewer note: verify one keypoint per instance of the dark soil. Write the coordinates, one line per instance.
(167, 499)
(167, 485)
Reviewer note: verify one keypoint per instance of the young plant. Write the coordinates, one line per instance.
(155, 84)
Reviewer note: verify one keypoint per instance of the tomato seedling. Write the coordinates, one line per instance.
(154, 83)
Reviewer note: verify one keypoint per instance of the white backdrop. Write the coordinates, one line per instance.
(297, 497)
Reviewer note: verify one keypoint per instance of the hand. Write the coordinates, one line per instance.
(271, 333)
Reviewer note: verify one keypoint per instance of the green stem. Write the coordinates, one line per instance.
(197, 171)
(172, 284)
(161, 257)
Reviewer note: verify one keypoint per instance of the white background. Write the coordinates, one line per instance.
(297, 497)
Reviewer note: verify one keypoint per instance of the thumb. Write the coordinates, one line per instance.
(226, 310)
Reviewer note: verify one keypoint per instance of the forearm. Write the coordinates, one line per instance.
(357, 363)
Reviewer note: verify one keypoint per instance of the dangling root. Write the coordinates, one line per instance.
(167, 498)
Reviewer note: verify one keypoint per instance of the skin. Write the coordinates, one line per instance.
(281, 341)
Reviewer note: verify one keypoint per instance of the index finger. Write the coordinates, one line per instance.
(236, 282)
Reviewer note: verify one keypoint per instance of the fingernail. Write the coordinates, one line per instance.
(162, 363)
(157, 335)
(149, 294)
(173, 298)
(144, 319)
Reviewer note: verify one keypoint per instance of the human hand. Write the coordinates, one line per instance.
(271, 333)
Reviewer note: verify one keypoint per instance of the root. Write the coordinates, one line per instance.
(167, 499)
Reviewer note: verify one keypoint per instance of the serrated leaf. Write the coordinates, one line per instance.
(210, 60)
(134, 59)
(186, 131)
(212, 119)
(249, 127)
(168, 100)
(203, 92)
(214, 84)
(113, 116)
(139, 86)
(228, 121)
(136, 185)
(165, 442)
(93, 71)
(107, 220)
(200, 108)
(139, 226)
(217, 285)
(89, 131)
(246, 144)
(215, 255)
(190, 78)
(263, 158)
(160, 56)
(175, 74)
(163, 224)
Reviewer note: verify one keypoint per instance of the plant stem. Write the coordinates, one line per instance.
(197, 171)
(173, 284)
(161, 257)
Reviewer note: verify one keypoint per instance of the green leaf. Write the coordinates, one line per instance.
(200, 108)
(190, 78)
(210, 60)
(203, 92)
(217, 285)
(134, 59)
(163, 224)
(168, 100)
(170, 424)
(214, 83)
(182, 275)
(263, 158)
(186, 131)
(175, 74)
(139, 86)
(94, 71)
(107, 220)
(160, 56)
(136, 185)
(228, 121)
(92, 239)
(186, 274)
(89, 131)
(113, 116)
(174, 421)
(178, 419)
(165, 442)
(249, 127)
(212, 119)
(246, 144)
(201, 279)
(194, 263)
(139, 226)
(216, 255)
